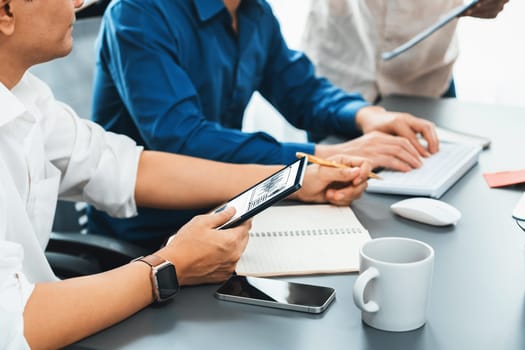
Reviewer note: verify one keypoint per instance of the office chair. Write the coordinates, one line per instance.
(71, 250)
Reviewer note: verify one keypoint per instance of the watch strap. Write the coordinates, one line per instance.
(155, 262)
(151, 260)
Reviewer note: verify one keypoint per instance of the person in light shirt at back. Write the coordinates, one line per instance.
(345, 40)
(47, 152)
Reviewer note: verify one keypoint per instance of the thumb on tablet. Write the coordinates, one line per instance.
(220, 216)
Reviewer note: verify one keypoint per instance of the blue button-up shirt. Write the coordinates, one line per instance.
(176, 77)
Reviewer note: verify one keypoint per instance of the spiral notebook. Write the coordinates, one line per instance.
(302, 240)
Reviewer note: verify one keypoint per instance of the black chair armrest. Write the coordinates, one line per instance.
(75, 254)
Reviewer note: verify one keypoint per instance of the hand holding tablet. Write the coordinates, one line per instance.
(265, 193)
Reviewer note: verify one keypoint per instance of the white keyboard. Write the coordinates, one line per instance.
(434, 177)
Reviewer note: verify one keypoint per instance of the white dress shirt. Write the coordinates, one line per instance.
(345, 39)
(47, 152)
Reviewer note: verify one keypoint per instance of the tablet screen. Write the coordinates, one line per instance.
(265, 193)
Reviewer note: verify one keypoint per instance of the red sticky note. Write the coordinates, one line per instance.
(505, 178)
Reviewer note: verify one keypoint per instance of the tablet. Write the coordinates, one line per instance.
(454, 13)
(267, 192)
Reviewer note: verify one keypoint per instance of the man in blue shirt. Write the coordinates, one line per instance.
(177, 76)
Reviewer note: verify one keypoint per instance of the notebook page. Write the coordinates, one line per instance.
(303, 239)
(434, 177)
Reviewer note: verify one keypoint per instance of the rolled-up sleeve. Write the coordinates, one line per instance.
(97, 166)
(112, 167)
(307, 101)
(14, 293)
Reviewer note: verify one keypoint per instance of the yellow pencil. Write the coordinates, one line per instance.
(330, 163)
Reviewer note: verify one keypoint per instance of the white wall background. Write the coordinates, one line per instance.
(490, 69)
(491, 65)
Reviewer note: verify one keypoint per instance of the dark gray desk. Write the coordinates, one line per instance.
(477, 299)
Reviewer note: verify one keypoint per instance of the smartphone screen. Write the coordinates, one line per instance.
(265, 193)
(276, 293)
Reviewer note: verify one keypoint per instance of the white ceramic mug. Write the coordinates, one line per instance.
(393, 287)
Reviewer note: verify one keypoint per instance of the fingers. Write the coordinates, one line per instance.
(240, 238)
(203, 254)
(217, 218)
(365, 170)
(352, 174)
(409, 127)
(404, 125)
(319, 179)
(397, 153)
(407, 132)
(343, 185)
(344, 196)
(486, 9)
(428, 130)
(347, 160)
(358, 172)
(348, 175)
(383, 150)
(235, 241)
(394, 163)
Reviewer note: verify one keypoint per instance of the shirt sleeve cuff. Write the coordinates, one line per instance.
(346, 119)
(290, 148)
(112, 186)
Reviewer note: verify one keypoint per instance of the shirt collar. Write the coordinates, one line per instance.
(12, 107)
(206, 9)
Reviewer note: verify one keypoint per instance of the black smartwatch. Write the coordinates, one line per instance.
(163, 277)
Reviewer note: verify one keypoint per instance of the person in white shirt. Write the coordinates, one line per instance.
(47, 152)
(345, 40)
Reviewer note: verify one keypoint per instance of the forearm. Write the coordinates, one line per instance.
(172, 181)
(307, 101)
(60, 313)
(323, 108)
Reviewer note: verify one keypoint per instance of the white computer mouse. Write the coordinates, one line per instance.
(427, 210)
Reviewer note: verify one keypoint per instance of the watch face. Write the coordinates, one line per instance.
(167, 281)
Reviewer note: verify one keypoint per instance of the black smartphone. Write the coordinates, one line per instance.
(276, 293)
(265, 193)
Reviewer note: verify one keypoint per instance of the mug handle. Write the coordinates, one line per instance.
(359, 290)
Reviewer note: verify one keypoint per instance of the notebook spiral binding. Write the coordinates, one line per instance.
(309, 232)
